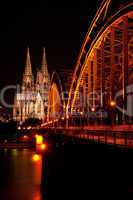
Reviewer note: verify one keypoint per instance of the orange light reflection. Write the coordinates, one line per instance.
(35, 158)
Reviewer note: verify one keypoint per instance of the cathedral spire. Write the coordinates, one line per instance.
(44, 63)
(44, 71)
(28, 79)
(28, 70)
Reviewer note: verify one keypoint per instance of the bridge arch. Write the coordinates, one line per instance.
(104, 66)
(56, 99)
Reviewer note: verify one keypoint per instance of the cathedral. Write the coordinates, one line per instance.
(31, 99)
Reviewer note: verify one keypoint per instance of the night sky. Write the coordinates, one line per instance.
(60, 27)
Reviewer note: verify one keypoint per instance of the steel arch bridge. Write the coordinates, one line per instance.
(101, 91)
(100, 101)
(103, 75)
(56, 99)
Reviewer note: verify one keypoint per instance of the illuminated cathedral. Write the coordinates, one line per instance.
(31, 100)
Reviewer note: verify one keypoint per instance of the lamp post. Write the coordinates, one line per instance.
(67, 121)
(112, 105)
(93, 109)
(81, 119)
(93, 115)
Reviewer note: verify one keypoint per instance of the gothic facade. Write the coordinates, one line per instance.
(31, 100)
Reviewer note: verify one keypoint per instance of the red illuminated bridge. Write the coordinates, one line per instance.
(99, 104)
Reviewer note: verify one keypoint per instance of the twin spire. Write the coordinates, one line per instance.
(44, 63)
(28, 69)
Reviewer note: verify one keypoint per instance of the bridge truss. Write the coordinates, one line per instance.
(103, 78)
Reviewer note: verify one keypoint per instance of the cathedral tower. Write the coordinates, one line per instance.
(43, 82)
(28, 80)
(32, 100)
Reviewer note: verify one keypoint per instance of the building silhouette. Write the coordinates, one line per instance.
(31, 98)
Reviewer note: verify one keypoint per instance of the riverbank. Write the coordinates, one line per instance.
(16, 146)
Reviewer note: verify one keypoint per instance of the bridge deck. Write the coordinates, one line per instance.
(115, 128)
(115, 135)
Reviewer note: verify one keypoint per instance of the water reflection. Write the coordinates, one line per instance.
(64, 172)
(20, 176)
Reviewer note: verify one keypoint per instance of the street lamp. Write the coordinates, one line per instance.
(67, 121)
(93, 109)
(112, 104)
(93, 115)
(81, 118)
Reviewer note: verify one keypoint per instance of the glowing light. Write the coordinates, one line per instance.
(14, 152)
(43, 146)
(25, 137)
(43, 124)
(81, 113)
(62, 118)
(36, 157)
(39, 139)
(93, 109)
(56, 120)
(67, 117)
(112, 103)
(29, 127)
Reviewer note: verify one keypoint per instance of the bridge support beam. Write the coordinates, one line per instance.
(112, 86)
(125, 68)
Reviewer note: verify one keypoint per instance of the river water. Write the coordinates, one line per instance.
(67, 173)
(20, 175)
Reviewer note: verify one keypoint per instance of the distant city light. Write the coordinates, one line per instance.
(29, 127)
